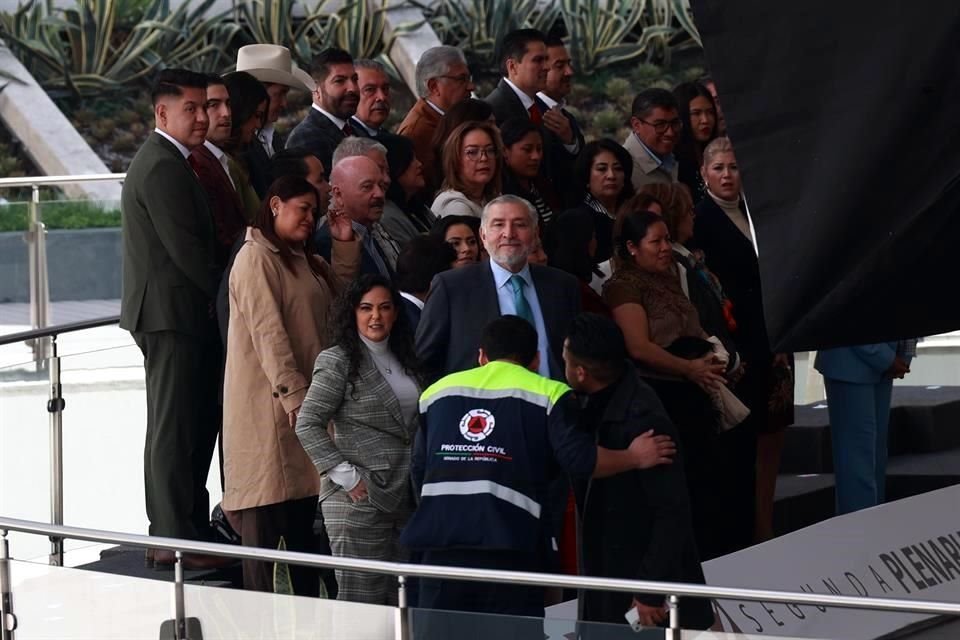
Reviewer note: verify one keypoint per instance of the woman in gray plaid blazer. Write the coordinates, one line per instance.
(369, 387)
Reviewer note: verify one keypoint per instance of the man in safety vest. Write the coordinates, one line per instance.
(491, 439)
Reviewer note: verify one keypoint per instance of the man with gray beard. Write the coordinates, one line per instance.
(462, 301)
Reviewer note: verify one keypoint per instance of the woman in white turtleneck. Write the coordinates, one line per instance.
(723, 231)
(368, 386)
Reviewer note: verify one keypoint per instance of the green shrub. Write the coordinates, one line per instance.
(618, 88)
(608, 120)
(66, 214)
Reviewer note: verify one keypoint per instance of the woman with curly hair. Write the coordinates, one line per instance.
(369, 386)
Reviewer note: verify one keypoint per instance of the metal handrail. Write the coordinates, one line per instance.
(57, 330)
(456, 573)
(50, 181)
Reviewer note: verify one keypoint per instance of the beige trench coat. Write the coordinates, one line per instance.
(278, 326)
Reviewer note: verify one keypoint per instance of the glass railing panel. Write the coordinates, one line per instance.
(72, 604)
(104, 428)
(235, 614)
(24, 451)
(15, 267)
(83, 256)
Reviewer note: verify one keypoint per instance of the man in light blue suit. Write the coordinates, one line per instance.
(859, 383)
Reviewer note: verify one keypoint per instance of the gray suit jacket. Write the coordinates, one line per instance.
(317, 134)
(462, 302)
(169, 270)
(369, 430)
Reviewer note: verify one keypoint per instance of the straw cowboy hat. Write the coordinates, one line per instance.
(272, 63)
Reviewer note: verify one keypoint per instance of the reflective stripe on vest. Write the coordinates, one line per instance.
(474, 487)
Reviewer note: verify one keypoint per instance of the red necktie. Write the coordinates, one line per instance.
(194, 164)
(347, 129)
(535, 116)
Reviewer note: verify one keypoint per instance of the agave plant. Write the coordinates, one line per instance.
(80, 50)
(478, 26)
(608, 32)
(274, 22)
(684, 16)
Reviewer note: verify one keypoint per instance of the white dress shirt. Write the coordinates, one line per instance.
(412, 298)
(266, 139)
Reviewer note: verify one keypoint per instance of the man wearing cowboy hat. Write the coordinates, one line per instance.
(271, 65)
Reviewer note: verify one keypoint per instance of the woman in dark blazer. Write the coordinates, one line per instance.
(722, 231)
(603, 173)
(369, 387)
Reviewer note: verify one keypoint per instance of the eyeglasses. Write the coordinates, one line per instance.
(461, 79)
(475, 153)
(661, 126)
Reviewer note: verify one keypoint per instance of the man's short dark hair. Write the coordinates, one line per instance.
(420, 260)
(555, 39)
(649, 99)
(291, 162)
(213, 79)
(514, 45)
(596, 343)
(320, 64)
(172, 82)
(510, 338)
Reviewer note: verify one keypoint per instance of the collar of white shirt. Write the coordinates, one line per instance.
(524, 98)
(217, 152)
(182, 149)
(434, 107)
(373, 132)
(332, 118)
(412, 298)
(501, 275)
(550, 102)
(266, 136)
(222, 158)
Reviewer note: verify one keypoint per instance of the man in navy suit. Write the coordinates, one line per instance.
(334, 102)
(462, 301)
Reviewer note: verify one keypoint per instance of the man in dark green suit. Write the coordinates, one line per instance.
(169, 282)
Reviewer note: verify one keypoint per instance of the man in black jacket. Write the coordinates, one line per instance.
(328, 121)
(634, 525)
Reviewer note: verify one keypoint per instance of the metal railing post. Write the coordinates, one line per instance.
(39, 281)
(673, 631)
(402, 630)
(55, 408)
(181, 627)
(8, 621)
(180, 619)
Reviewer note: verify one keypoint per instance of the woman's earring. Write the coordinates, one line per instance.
(275, 212)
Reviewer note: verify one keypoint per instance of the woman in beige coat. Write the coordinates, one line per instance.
(280, 295)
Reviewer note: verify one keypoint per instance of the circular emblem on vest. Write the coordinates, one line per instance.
(477, 424)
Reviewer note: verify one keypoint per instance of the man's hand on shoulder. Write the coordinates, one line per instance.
(649, 450)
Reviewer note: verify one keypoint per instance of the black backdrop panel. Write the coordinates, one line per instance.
(845, 117)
